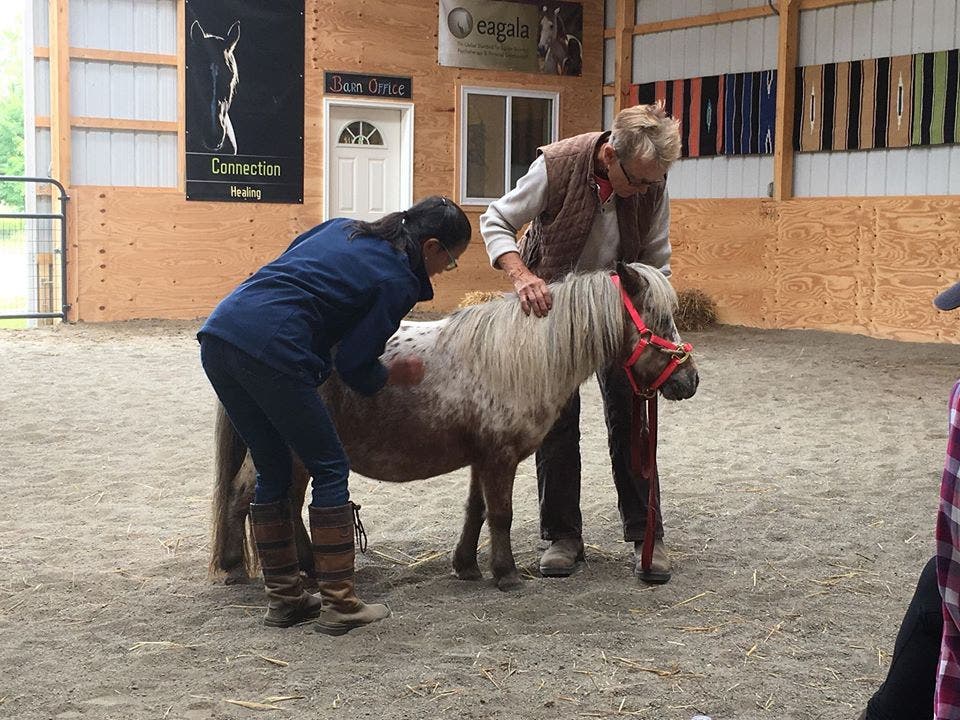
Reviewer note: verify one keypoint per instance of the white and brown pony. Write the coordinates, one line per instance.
(562, 52)
(495, 383)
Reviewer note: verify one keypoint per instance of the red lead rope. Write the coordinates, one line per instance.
(644, 437)
(643, 429)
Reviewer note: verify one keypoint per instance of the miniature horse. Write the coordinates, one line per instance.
(495, 383)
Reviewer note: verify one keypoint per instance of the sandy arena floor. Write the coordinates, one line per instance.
(799, 485)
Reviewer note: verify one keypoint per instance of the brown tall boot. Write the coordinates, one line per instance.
(272, 529)
(332, 531)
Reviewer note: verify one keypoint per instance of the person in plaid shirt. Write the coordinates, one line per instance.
(924, 677)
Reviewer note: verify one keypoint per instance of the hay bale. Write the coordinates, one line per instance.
(695, 310)
(478, 297)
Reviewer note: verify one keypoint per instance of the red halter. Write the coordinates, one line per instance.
(644, 422)
(678, 353)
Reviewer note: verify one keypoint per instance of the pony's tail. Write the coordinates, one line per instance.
(230, 553)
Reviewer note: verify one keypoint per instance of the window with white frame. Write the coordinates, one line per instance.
(500, 131)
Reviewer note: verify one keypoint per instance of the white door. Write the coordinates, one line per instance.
(365, 161)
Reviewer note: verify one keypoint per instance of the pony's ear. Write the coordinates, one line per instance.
(233, 35)
(196, 31)
(630, 279)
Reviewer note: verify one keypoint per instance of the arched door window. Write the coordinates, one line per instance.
(360, 132)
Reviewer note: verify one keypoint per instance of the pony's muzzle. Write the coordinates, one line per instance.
(682, 384)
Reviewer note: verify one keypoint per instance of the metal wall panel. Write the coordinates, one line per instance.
(115, 90)
(609, 14)
(41, 23)
(43, 153)
(878, 29)
(609, 60)
(727, 48)
(133, 25)
(41, 86)
(123, 90)
(607, 112)
(656, 10)
(120, 157)
(706, 51)
(836, 34)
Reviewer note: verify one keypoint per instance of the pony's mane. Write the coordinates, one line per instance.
(582, 332)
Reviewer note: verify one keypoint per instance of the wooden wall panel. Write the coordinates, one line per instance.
(819, 277)
(863, 265)
(720, 246)
(149, 254)
(916, 256)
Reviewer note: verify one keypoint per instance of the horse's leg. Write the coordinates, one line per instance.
(235, 558)
(298, 489)
(497, 484)
(465, 555)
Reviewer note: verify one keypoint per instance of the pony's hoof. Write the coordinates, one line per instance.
(469, 573)
(237, 576)
(509, 582)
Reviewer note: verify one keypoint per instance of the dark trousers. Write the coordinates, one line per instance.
(274, 412)
(907, 693)
(558, 465)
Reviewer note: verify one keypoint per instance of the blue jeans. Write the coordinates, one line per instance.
(275, 413)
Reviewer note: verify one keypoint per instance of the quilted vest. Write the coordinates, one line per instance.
(555, 239)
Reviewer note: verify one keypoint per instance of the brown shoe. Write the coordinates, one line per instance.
(660, 566)
(288, 603)
(332, 531)
(561, 558)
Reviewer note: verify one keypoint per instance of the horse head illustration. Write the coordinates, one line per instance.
(215, 78)
(562, 53)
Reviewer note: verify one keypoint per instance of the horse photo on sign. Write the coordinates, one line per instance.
(561, 50)
(244, 100)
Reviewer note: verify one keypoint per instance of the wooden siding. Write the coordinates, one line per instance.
(867, 265)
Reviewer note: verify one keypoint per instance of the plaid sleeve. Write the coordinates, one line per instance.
(947, 703)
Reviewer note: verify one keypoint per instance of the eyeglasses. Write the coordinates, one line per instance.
(637, 185)
(452, 265)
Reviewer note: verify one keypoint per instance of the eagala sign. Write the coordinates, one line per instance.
(503, 30)
(460, 23)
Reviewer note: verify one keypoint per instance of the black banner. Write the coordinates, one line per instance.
(387, 86)
(244, 100)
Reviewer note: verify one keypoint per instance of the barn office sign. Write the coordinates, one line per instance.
(244, 100)
(523, 35)
(382, 86)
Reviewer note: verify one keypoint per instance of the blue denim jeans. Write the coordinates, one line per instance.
(275, 413)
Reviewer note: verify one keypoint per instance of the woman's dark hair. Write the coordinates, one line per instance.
(433, 217)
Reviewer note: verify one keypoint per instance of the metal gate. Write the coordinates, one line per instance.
(33, 258)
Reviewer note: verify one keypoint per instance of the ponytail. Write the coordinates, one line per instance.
(432, 217)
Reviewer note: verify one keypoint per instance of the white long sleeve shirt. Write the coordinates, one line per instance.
(504, 217)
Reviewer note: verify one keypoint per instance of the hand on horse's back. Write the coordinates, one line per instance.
(405, 370)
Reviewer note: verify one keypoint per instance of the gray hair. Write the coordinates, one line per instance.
(648, 133)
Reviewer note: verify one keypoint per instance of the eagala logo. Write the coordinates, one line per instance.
(460, 23)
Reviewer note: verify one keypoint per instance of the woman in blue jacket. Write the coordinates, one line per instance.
(267, 346)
